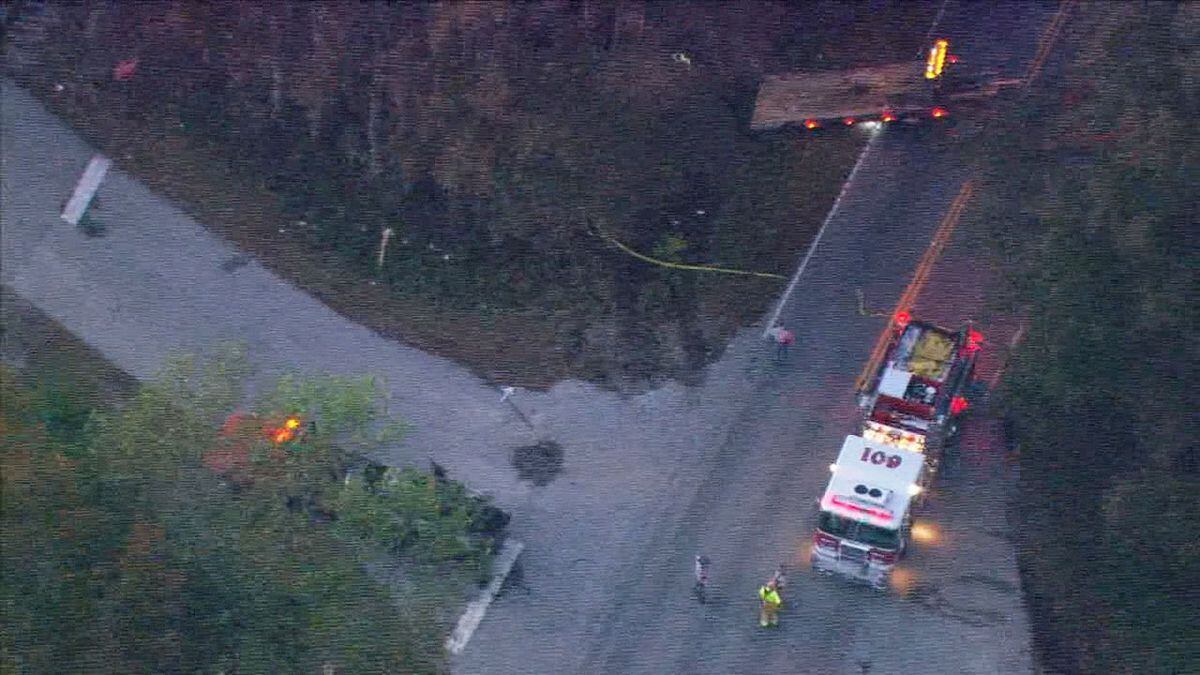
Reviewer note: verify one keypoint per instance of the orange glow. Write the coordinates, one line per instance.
(925, 533)
(902, 580)
(888, 116)
(811, 124)
(282, 435)
(292, 423)
(938, 112)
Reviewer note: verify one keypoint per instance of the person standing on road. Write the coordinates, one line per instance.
(784, 338)
(768, 597)
(701, 578)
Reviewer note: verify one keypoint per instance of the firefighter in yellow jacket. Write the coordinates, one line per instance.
(768, 596)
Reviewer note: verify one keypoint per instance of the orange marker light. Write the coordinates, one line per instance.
(811, 124)
(938, 112)
(888, 116)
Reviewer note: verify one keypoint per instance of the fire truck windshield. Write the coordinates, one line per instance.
(863, 533)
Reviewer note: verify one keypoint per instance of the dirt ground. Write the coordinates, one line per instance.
(35, 346)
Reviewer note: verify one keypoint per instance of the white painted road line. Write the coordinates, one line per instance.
(469, 621)
(812, 248)
(86, 189)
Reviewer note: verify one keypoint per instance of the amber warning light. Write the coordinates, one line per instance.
(937, 59)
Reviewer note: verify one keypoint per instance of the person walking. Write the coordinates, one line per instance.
(768, 597)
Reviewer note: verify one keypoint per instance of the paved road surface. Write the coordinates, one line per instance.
(730, 468)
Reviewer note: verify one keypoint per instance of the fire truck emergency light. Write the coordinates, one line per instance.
(937, 59)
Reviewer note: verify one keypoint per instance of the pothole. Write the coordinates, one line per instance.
(539, 463)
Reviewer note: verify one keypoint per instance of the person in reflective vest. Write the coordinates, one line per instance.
(768, 596)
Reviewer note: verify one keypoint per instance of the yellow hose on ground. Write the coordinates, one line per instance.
(678, 266)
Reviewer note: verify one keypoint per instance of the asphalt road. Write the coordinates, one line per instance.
(730, 468)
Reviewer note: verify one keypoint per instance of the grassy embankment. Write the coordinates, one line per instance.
(1091, 191)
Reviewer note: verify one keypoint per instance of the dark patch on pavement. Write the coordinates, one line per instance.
(92, 227)
(514, 582)
(539, 463)
(239, 260)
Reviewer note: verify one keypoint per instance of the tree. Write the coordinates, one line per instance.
(1103, 261)
(136, 557)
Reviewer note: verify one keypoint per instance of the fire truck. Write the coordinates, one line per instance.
(872, 96)
(913, 395)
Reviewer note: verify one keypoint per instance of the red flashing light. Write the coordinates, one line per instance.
(902, 318)
(875, 513)
(958, 404)
(882, 556)
(952, 58)
(887, 116)
(811, 124)
(938, 112)
(848, 121)
(822, 540)
(974, 336)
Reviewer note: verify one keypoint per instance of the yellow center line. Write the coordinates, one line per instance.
(907, 299)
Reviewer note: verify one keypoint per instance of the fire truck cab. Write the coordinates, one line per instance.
(913, 391)
(864, 517)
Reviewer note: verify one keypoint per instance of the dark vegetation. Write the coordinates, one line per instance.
(1094, 191)
(123, 551)
(486, 135)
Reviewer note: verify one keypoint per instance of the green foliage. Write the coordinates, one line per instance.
(209, 385)
(349, 409)
(413, 514)
(1102, 388)
(669, 248)
(134, 557)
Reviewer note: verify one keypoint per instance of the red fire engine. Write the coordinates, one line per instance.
(913, 399)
